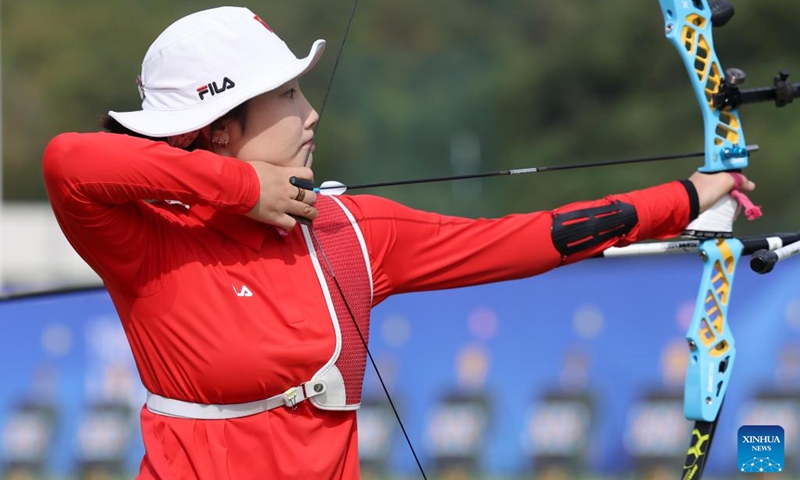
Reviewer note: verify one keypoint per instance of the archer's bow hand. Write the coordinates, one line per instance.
(720, 197)
(714, 186)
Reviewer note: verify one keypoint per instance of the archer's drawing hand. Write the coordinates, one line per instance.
(279, 200)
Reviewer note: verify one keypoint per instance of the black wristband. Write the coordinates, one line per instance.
(694, 200)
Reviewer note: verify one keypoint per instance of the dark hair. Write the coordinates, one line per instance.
(239, 113)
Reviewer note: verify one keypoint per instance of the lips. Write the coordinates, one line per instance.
(311, 147)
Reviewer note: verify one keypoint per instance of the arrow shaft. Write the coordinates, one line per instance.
(520, 171)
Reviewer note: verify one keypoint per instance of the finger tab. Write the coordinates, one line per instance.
(303, 183)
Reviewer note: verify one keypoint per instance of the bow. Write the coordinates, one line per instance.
(712, 350)
(688, 25)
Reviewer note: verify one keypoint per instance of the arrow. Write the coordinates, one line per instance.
(331, 187)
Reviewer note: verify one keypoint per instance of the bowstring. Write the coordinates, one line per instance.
(330, 267)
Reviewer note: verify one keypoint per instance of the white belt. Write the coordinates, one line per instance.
(178, 408)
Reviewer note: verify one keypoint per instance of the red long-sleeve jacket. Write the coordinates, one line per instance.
(173, 271)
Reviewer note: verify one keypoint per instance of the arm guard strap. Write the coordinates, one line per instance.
(582, 229)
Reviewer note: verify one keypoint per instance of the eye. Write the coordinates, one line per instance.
(289, 93)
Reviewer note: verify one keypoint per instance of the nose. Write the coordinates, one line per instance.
(312, 117)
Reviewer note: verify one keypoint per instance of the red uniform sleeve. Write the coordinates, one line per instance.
(412, 250)
(100, 185)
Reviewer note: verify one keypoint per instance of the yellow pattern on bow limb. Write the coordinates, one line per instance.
(695, 449)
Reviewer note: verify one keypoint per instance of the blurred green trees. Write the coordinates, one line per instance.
(436, 87)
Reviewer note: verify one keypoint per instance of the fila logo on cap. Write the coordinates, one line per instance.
(214, 89)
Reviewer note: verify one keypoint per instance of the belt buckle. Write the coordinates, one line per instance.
(290, 398)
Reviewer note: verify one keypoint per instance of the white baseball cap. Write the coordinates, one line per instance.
(207, 63)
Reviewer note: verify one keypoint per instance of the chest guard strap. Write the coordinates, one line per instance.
(345, 253)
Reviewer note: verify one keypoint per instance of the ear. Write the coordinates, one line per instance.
(220, 137)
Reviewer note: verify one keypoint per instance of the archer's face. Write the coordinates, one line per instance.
(279, 130)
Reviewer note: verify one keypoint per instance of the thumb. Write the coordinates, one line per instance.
(742, 183)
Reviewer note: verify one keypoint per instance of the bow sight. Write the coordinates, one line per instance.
(731, 96)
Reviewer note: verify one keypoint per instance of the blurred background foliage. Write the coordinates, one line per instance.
(429, 88)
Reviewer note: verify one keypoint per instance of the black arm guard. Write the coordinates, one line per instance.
(586, 228)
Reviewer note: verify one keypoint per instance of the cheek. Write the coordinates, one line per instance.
(273, 134)
(259, 148)
(272, 145)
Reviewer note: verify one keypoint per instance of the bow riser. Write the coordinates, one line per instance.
(687, 25)
(712, 348)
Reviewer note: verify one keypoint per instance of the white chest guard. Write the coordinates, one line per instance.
(343, 252)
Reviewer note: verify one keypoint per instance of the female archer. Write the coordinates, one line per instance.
(244, 325)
